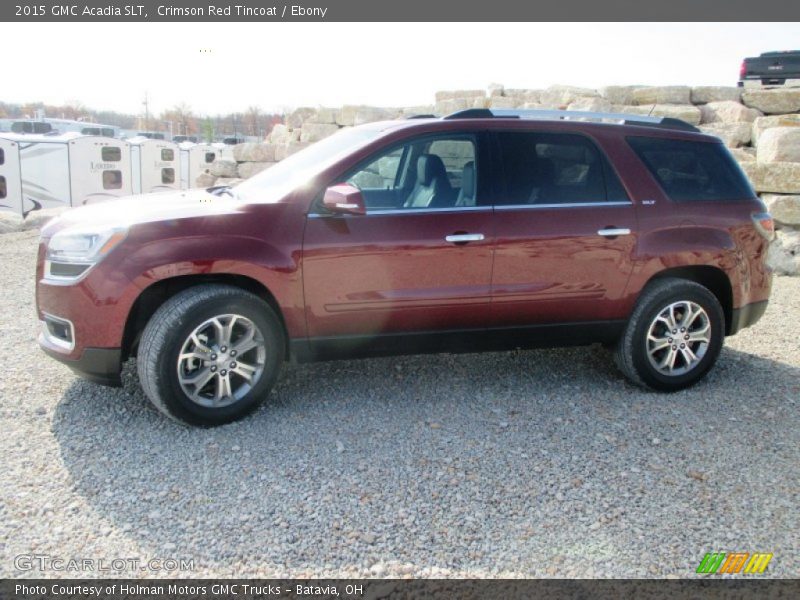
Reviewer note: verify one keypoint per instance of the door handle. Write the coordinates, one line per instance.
(611, 232)
(463, 238)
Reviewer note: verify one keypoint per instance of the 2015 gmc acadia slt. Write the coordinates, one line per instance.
(481, 230)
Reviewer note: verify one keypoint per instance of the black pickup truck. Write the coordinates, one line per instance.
(771, 69)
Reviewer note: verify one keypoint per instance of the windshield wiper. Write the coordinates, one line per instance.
(219, 190)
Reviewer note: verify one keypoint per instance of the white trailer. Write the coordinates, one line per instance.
(10, 177)
(155, 165)
(71, 170)
(195, 160)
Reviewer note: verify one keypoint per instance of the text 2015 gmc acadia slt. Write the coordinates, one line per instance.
(480, 230)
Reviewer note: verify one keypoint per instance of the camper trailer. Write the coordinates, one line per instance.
(71, 170)
(10, 177)
(195, 160)
(155, 165)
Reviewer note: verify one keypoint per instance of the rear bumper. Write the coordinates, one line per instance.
(765, 83)
(99, 365)
(746, 316)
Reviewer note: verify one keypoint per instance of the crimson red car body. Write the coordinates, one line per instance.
(380, 282)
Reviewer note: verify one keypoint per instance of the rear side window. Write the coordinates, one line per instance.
(3, 191)
(692, 170)
(547, 168)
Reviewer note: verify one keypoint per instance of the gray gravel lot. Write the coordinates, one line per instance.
(535, 463)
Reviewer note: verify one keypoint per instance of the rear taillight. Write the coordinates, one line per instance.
(742, 70)
(764, 224)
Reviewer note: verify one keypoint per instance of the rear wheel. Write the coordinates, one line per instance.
(210, 354)
(673, 337)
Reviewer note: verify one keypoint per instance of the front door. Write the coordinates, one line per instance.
(566, 232)
(418, 261)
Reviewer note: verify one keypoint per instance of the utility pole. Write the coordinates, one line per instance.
(146, 104)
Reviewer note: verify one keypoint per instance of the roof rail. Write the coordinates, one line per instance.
(421, 117)
(563, 115)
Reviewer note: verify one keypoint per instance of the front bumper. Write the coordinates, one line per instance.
(99, 365)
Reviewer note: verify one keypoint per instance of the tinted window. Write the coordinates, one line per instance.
(112, 180)
(429, 172)
(90, 131)
(210, 157)
(111, 154)
(2, 156)
(167, 154)
(546, 168)
(692, 170)
(167, 175)
(3, 191)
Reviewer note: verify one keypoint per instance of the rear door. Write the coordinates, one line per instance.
(566, 232)
(422, 266)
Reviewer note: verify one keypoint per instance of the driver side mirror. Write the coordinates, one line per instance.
(344, 198)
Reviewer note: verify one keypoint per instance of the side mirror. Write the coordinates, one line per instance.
(344, 198)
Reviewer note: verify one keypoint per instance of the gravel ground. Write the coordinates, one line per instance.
(535, 463)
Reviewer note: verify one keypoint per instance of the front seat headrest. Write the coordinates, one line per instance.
(468, 180)
(429, 168)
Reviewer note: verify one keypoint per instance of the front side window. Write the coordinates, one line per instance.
(689, 170)
(425, 173)
(112, 180)
(3, 189)
(548, 168)
(167, 154)
(167, 176)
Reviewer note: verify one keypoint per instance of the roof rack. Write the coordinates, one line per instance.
(566, 115)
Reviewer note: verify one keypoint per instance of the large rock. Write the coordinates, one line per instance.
(250, 152)
(707, 93)
(451, 94)
(761, 124)
(248, 169)
(10, 222)
(411, 111)
(777, 177)
(314, 132)
(784, 253)
(205, 180)
(591, 105)
(773, 102)
(284, 150)
(351, 115)
(281, 134)
(38, 218)
(618, 94)
(299, 116)
(684, 112)
(522, 95)
(668, 94)
(562, 96)
(504, 102)
(728, 111)
(451, 105)
(324, 115)
(785, 209)
(228, 181)
(743, 154)
(223, 167)
(779, 144)
(733, 135)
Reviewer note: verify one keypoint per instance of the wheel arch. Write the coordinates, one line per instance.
(710, 277)
(153, 296)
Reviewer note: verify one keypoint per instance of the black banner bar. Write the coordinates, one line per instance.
(398, 11)
(404, 589)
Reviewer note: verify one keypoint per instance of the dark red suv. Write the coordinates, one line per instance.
(480, 230)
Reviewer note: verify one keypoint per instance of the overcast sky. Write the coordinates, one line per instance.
(219, 67)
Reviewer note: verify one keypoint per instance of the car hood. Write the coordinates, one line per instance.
(145, 208)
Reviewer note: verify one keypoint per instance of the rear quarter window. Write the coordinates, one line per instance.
(692, 171)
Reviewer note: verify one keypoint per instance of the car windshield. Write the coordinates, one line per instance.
(299, 168)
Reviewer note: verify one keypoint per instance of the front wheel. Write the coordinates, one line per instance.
(673, 337)
(210, 354)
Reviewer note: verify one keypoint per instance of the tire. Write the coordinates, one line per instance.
(187, 332)
(650, 354)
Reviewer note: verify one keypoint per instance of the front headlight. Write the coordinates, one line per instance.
(73, 251)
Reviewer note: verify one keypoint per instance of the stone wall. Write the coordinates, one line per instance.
(761, 127)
